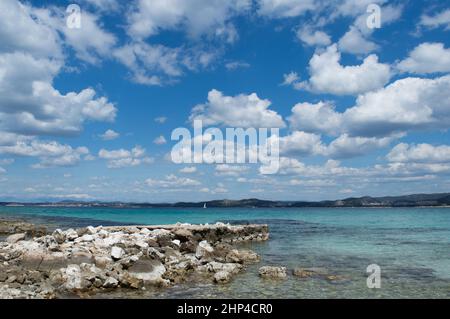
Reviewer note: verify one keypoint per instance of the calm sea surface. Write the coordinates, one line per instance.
(411, 245)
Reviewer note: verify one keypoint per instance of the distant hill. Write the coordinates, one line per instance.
(416, 200)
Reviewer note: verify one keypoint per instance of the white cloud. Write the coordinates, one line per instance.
(301, 144)
(160, 140)
(346, 147)
(290, 78)
(234, 65)
(104, 5)
(125, 158)
(29, 103)
(420, 153)
(406, 104)
(356, 39)
(427, 58)
(354, 42)
(312, 37)
(196, 18)
(50, 154)
(437, 20)
(188, 170)
(285, 8)
(161, 119)
(109, 135)
(236, 111)
(157, 64)
(172, 181)
(230, 170)
(329, 76)
(19, 31)
(316, 118)
(91, 42)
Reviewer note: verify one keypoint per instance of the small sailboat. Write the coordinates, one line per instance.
(204, 206)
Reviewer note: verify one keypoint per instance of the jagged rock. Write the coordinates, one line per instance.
(72, 278)
(12, 239)
(102, 261)
(59, 236)
(91, 230)
(204, 250)
(242, 256)
(148, 270)
(111, 283)
(222, 277)
(176, 242)
(92, 259)
(182, 234)
(117, 253)
(85, 238)
(71, 234)
(188, 247)
(3, 277)
(272, 272)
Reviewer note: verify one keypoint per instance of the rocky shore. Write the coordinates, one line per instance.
(92, 260)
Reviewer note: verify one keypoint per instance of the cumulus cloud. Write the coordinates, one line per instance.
(346, 147)
(109, 135)
(188, 170)
(236, 111)
(312, 37)
(427, 58)
(419, 153)
(125, 158)
(231, 170)
(172, 181)
(405, 105)
(196, 18)
(29, 103)
(19, 31)
(327, 75)
(160, 140)
(158, 64)
(354, 42)
(103, 5)
(316, 118)
(437, 20)
(357, 39)
(285, 8)
(301, 144)
(90, 43)
(50, 154)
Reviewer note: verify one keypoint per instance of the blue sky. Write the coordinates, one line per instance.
(88, 113)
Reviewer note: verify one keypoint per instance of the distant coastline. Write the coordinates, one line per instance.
(414, 200)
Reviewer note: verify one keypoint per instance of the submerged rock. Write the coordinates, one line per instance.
(271, 272)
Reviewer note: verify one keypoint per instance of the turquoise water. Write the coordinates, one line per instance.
(411, 245)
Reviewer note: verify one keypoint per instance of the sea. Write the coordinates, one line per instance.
(411, 247)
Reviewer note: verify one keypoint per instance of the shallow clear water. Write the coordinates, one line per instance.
(411, 245)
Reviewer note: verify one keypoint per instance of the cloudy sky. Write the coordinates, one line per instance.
(88, 113)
